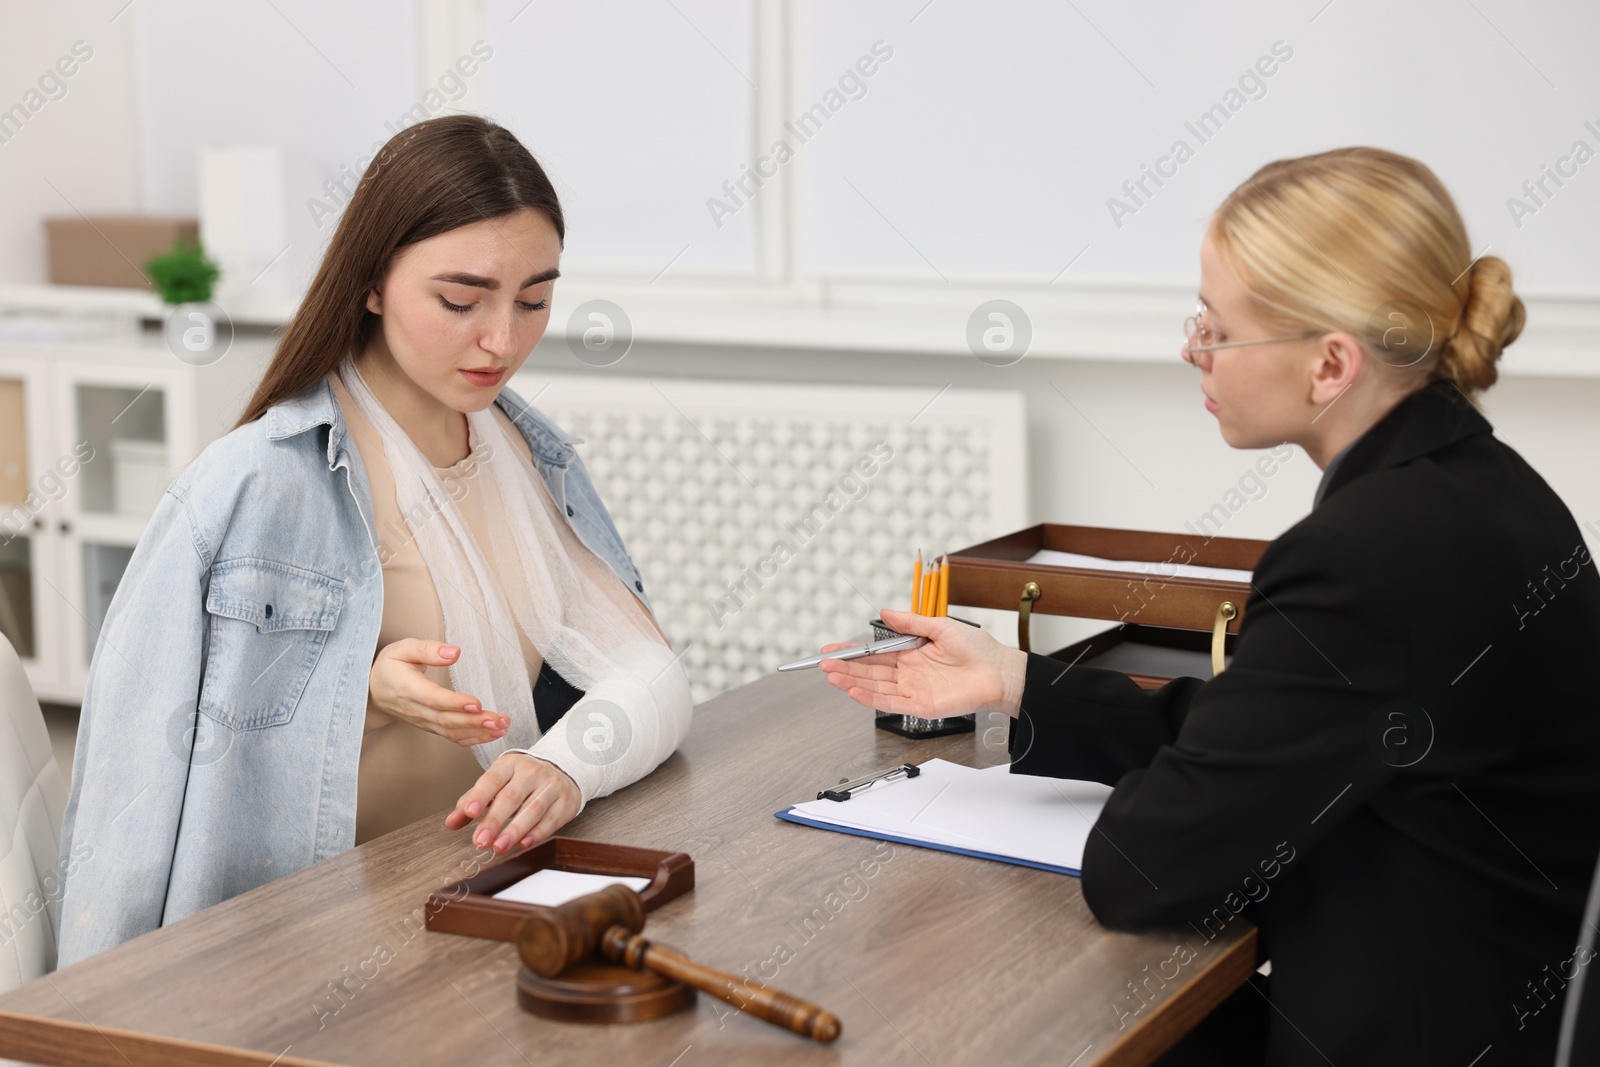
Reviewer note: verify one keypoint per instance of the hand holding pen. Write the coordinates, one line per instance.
(959, 670)
(938, 668)
(930, 595)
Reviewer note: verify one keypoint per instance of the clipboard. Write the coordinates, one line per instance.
(1025, 820)
(790, 815)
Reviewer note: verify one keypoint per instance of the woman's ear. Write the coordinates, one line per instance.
(375, 301)
(1339, 361)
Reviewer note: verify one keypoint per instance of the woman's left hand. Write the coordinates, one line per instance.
(522, 799)
(960, 670)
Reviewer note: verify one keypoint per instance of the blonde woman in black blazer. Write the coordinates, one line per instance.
(1398, 776)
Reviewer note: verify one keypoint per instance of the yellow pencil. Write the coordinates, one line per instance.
(943, 607)
(930, 585)
(916, 585)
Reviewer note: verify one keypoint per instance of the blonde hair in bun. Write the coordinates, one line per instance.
(1369, 242)
(1491, 318)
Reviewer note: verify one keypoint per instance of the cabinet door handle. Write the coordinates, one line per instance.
(66, 527)
(1226, 611)
(1030, 593)
(38, 523)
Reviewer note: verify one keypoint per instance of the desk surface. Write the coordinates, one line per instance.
(930, 958)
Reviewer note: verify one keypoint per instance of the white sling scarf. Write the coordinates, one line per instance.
(636, 701)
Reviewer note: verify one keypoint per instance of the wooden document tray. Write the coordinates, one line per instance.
(469, 907)
(1152, 610)
(1151, 656)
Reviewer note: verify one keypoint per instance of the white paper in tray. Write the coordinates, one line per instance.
(1049, 557)
(551, 887)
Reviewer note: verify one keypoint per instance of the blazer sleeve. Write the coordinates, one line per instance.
(1213, 779)
(131, 764)
(1093, 725)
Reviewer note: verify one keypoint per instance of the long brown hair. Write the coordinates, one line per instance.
(429, 178)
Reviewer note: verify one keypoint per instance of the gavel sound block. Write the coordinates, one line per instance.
(564, 976)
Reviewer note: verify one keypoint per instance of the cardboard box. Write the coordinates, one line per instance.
(13, 442)
(111, 250)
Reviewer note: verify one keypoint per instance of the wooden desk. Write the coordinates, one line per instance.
(933, 958)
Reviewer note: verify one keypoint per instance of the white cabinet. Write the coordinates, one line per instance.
(91, 433)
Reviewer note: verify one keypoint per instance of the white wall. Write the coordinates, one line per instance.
(636, 127)
(988, 147)
(78, 152)
(991, 141)
(997, 134)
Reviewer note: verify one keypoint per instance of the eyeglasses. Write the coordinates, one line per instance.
(1195, 326)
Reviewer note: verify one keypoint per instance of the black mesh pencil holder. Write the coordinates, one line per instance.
(912, 725)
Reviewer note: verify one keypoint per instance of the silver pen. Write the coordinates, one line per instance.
(845, 790)
(893, 644)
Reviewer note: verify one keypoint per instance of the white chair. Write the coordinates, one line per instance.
(32, 798)
(1580, 1015)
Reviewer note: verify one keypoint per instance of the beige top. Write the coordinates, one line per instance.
(407, 773)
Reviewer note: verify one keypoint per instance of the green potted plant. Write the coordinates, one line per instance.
(197, 331)
(184, 274)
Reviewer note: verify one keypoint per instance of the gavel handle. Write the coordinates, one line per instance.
(780, 1009)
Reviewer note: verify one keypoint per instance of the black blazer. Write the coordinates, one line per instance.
(1398, 776)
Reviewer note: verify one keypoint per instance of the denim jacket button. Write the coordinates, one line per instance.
(639, 586)
(569, 510)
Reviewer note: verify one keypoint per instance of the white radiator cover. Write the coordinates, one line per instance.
(749, 510)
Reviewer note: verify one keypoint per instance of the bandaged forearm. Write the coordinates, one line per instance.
(624, 726)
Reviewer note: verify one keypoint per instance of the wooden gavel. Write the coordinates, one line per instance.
(555, 938)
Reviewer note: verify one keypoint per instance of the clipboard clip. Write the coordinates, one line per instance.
(847, 789)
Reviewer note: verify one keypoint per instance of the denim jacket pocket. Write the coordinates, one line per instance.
(268, 622)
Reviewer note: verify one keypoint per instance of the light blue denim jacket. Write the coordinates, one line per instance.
(254, 595)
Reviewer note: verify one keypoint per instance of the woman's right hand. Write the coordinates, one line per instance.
(960, 670)
(399, 686)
